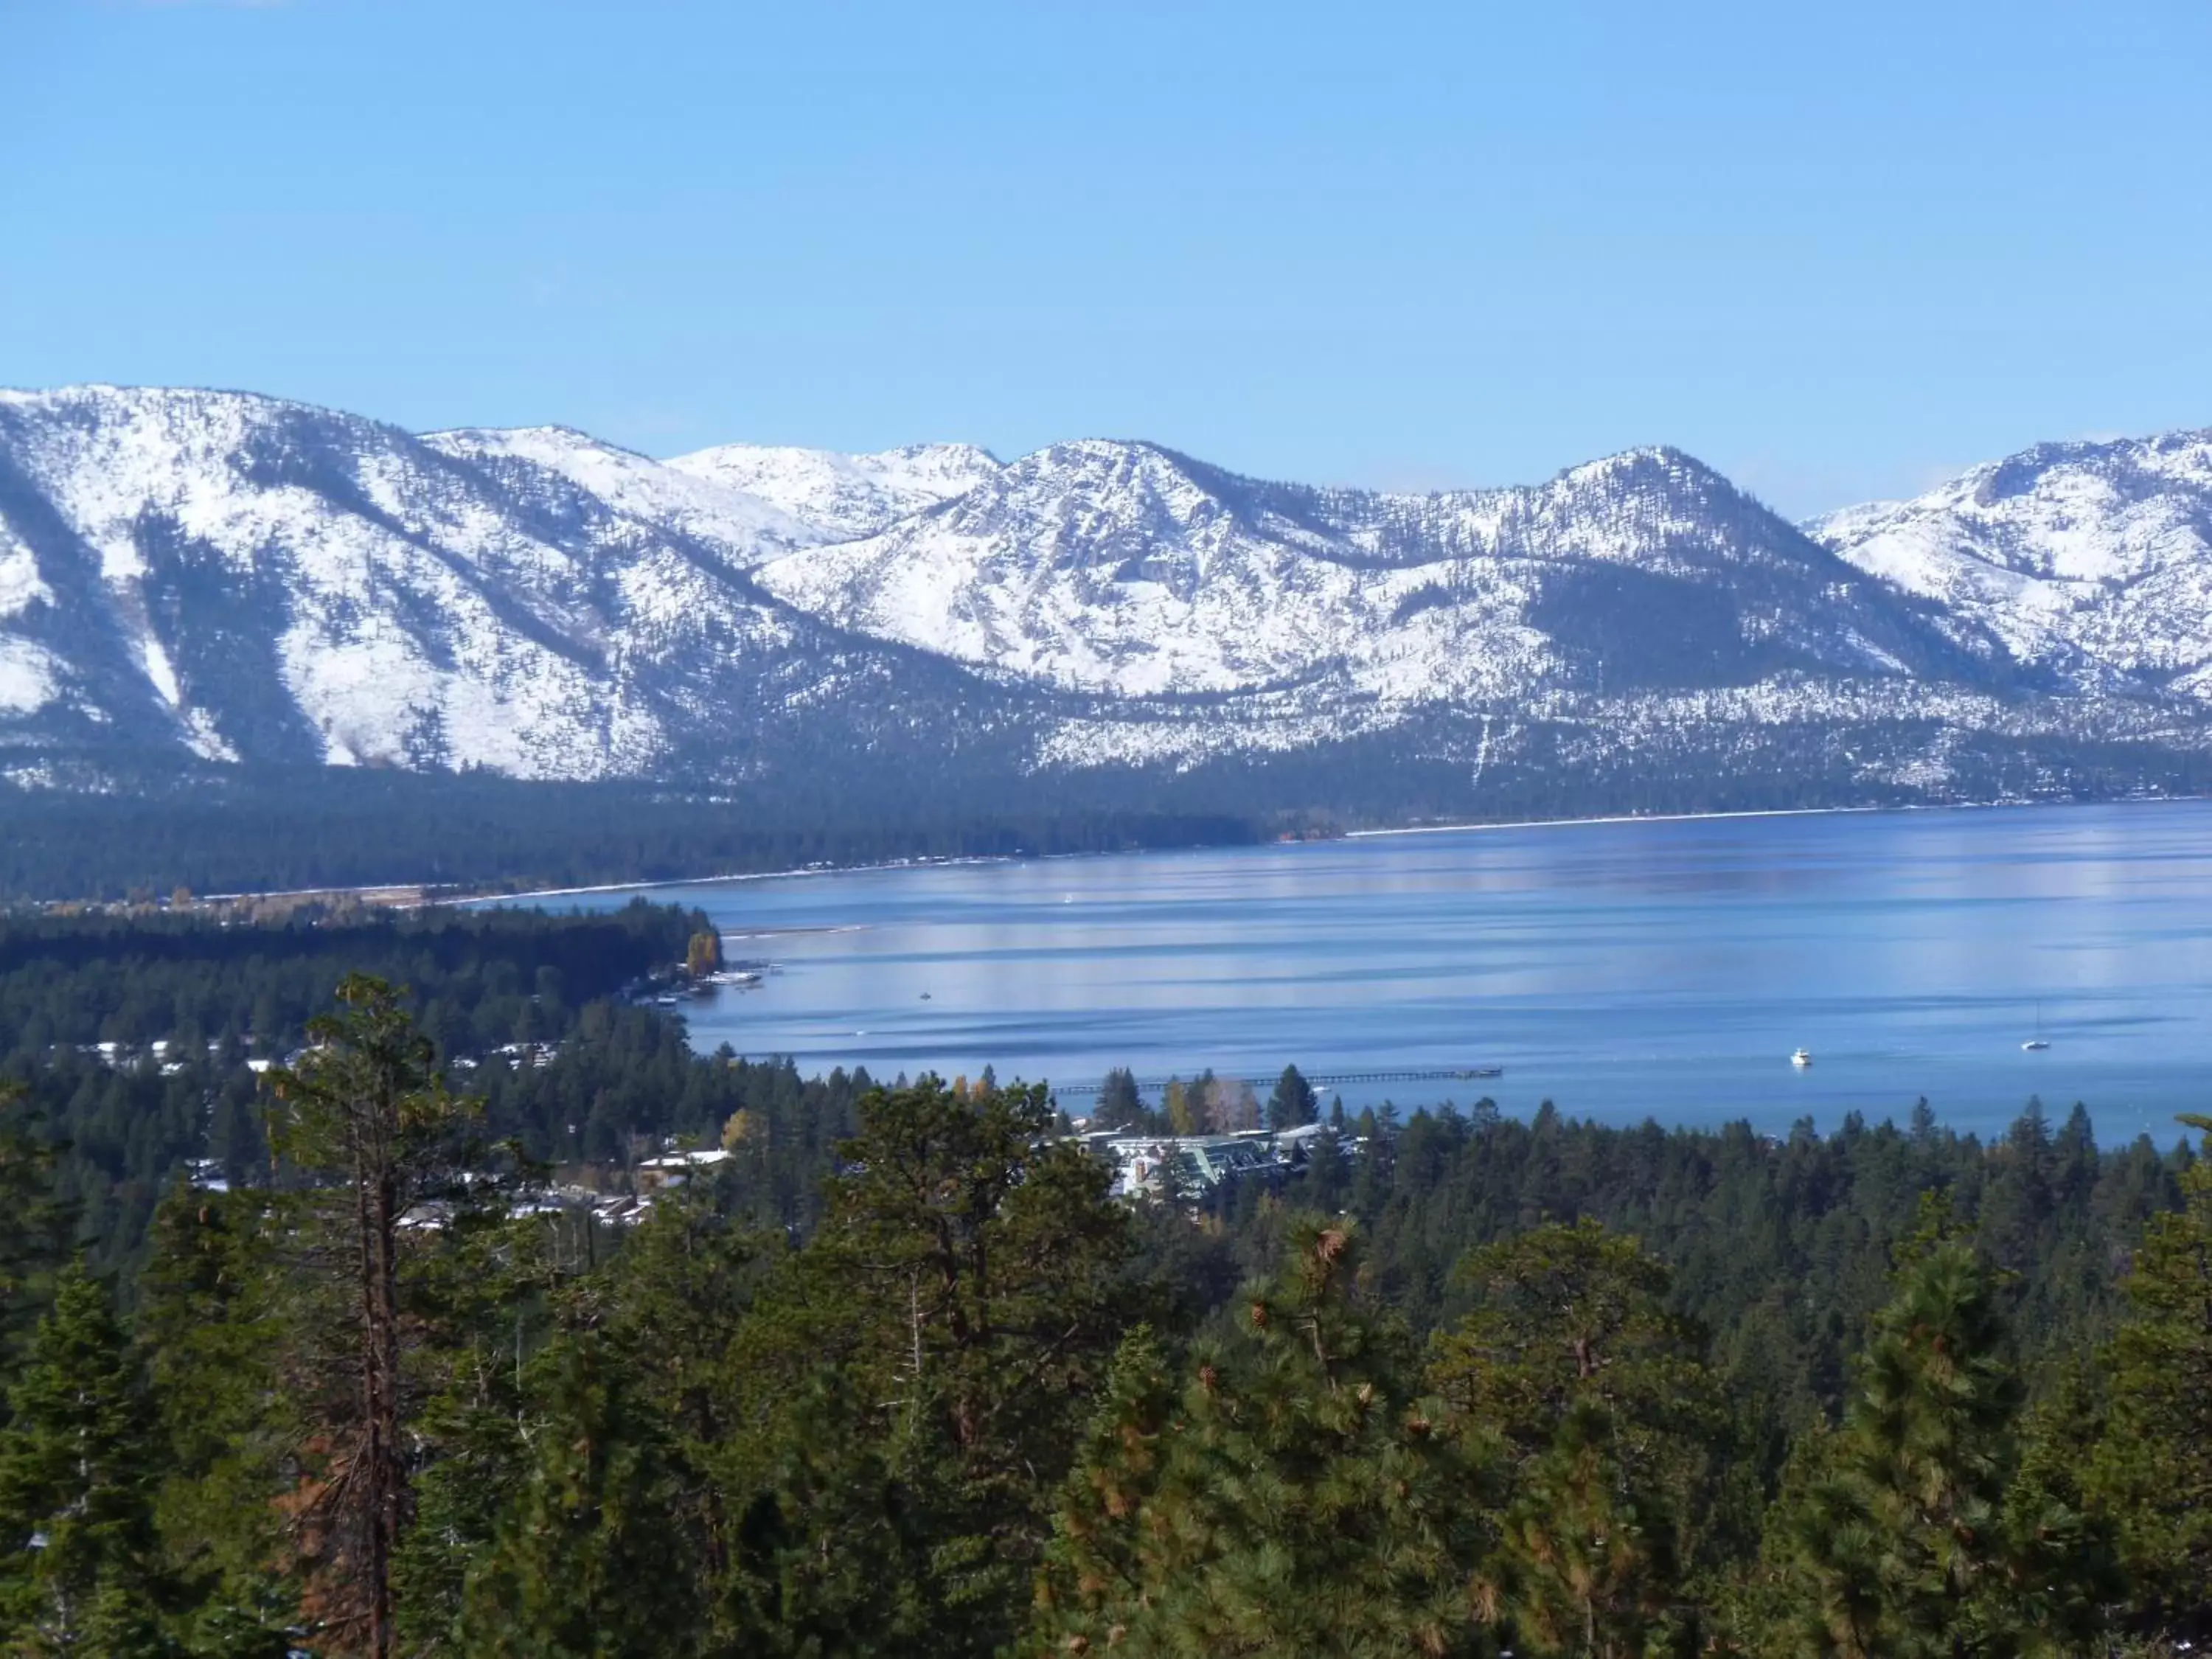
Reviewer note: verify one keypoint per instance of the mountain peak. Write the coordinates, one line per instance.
(1655, 465)
(2090, 558)
(742, 528)
(520, 440)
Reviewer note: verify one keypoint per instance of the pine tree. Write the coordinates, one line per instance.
(1594, 1401)
(1293, 1102)
(1120, 1105)
(1895, 1544)
(1892, 1541)
(955, 1314)
(80, 1463)
(2152, 1469)
(475, 1299)
(213, 1312)
(2062, 1557)
(367, 1110)
(1281, 1492)
(590, 1563)
(851, 1538)
(34, 1225)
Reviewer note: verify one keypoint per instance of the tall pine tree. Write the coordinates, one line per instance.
(945, 1330)
(1293, 1102)
(1594, 1400)
(367, 1115)
(213, 1305)
(1891, 1541)
(1283, 1491)
(2154, 1466)
(34, 1225)
(81, 1462)
(590, 1563)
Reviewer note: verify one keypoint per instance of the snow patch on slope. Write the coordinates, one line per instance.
(747, 526)
(30, 678)
(21, 584)
(842, 497)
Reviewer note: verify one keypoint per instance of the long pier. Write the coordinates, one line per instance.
(1316, 1080)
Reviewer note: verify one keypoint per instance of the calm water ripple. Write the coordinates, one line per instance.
(1627, 970)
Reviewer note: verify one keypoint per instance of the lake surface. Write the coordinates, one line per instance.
(1621, 970)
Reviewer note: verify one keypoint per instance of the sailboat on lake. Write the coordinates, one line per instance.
(2036, 1044)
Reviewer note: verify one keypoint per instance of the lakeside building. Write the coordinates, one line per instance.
(656, 1174)
(1193, 1167)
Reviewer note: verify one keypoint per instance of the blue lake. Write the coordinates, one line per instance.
(1621, 969)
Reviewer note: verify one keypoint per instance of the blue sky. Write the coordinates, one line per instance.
(1838, 251)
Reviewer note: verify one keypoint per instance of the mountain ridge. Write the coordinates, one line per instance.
(232, 580)
(2090, 558)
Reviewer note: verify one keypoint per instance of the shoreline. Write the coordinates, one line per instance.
(1766, 812)
(798, 873)
(805, 870)
(1682, 817)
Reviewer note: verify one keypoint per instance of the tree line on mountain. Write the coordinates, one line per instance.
(256, 830)
(1460, 1384)
(232, 829)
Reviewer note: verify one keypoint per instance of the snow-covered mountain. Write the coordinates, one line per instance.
(842, 497)
(2091, 559)
(246, 578)
(1125, 569)
(220, 578)
(743, 527)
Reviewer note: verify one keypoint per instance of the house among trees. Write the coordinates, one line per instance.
(673, 1169)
